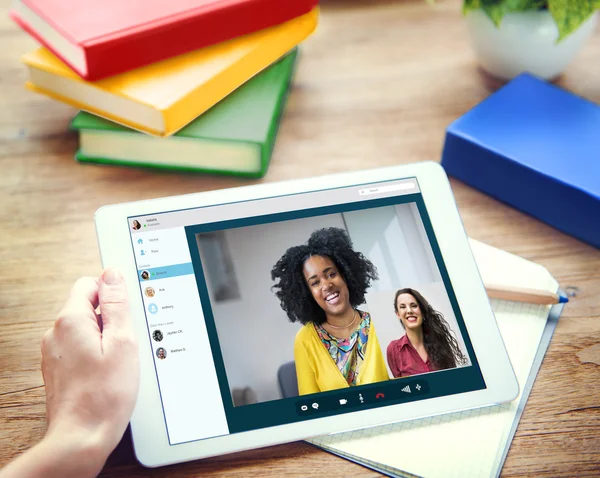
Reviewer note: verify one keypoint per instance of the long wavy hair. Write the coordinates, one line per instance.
(440, 343)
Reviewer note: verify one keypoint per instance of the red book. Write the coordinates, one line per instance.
(100, 38)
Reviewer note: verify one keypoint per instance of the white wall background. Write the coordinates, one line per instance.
(394, 239)
(256, 336)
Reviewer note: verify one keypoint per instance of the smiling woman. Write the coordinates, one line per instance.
(428, 344)
(321, 284)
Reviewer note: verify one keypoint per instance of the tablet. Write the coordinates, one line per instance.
(282, 311)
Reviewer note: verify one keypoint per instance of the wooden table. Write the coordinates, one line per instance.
(376, 85)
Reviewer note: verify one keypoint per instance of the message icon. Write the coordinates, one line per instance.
(315, 406)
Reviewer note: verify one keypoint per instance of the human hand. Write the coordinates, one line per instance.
(91, 371)
(90, 368)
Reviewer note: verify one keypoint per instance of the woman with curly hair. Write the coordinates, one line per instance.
(320, 284)
(428, 344)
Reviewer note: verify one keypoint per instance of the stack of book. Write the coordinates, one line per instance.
(194, 85)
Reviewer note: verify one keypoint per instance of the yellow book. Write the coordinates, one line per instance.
(163, 97)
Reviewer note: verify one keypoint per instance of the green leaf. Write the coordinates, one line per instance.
(495, 12)
(496, 9)
(469, 5)
(570, 14)
(523, 5)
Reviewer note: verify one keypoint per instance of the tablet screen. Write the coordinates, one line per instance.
(296, 307)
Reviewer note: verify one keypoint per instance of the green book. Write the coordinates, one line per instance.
(235, 137)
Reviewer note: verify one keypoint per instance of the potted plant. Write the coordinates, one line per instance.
(536, 36)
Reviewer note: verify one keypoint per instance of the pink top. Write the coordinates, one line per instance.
(404, 360)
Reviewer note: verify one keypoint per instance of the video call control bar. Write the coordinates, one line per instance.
(354, 398)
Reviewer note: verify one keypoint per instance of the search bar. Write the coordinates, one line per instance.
(387, 189)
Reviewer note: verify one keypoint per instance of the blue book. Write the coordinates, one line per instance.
(536, 147)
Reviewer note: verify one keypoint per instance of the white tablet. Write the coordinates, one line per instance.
(282, 311)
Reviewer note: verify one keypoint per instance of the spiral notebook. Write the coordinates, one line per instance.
(474, 443)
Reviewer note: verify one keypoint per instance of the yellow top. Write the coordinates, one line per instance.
(316, 370)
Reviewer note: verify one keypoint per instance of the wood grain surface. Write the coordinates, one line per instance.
(376, 85)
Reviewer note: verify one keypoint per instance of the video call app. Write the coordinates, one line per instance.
(242, 311)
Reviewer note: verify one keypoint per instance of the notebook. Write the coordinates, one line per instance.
(472, 443)
(235, 137)
(162, 98)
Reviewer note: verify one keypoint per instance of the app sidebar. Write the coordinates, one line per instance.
(182, 354)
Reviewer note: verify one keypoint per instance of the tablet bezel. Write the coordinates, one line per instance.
(148, 427)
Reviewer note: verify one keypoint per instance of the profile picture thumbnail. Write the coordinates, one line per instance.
(161, 353)
(149, 291)
(145, 275)
(136, 225)
(157, 335)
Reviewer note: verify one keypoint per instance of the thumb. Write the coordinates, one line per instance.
(113, 302)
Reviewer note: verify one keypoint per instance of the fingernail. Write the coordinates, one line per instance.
(111, 276)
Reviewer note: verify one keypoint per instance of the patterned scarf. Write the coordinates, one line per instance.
(348, 354)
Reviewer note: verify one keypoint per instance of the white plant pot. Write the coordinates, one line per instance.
(525, 42)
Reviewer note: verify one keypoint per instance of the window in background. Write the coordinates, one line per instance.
(220, 273)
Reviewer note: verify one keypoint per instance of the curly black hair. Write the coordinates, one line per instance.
(441, 346)
(293, 292)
